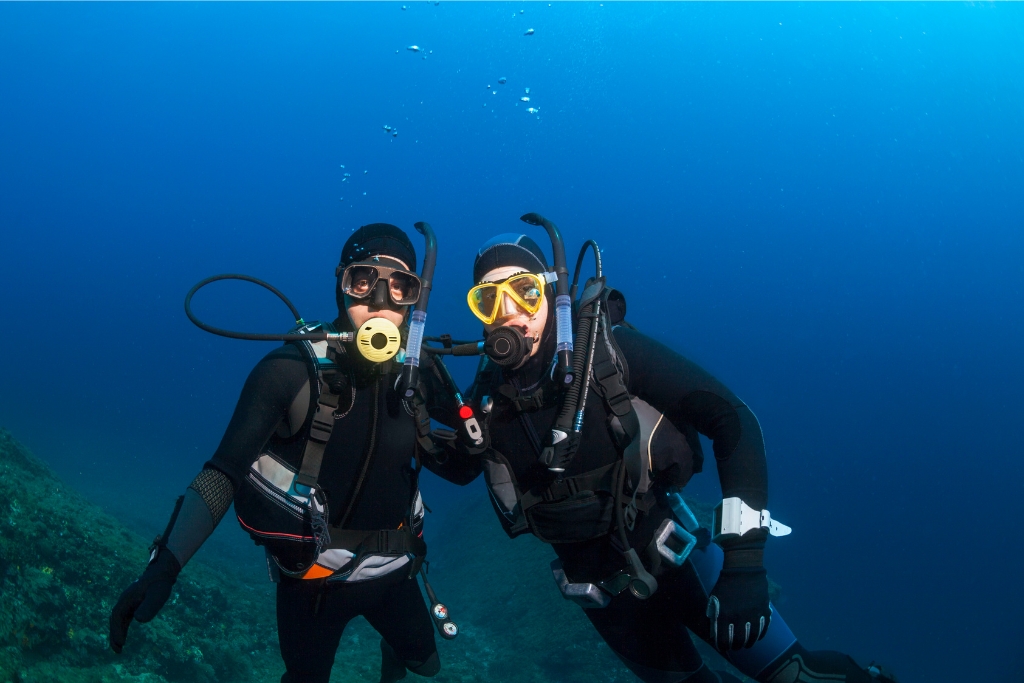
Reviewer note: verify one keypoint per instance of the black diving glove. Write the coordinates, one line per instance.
(143, 599)
(738, 609)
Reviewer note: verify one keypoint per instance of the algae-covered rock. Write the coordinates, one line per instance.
(63, 564)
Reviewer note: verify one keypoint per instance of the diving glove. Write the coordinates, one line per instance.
(143, 599)
(738, 610)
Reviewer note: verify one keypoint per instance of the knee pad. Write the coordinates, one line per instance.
(427, 668)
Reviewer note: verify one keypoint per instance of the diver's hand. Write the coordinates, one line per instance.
(144, 598)
(738, 608)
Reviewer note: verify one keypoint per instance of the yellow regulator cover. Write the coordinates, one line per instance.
(378, 340)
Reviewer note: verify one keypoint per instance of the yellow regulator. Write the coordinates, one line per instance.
(378, 339)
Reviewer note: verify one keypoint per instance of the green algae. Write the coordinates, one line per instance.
(64, 562)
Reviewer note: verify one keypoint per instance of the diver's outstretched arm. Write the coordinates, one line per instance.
(269, 392)
(195, 516)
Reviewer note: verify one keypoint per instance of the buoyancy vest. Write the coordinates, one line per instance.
(581, 507)
(282, 507)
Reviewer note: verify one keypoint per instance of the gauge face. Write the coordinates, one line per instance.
(440, 611)
(451, 629)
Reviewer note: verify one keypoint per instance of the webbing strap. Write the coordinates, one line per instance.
(319, 434)
(612, 389)
(601, 479)
(377, 542)
(523, 404)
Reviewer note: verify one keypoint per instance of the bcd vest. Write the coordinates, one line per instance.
(582, 507)
(282, 507)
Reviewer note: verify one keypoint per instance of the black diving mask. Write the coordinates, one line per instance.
(380, 282)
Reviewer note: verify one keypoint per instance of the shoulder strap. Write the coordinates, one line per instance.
(322, 423)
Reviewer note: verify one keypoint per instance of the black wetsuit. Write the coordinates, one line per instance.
(313, 613)
(648, 635)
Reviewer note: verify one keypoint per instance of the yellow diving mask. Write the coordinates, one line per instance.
(378, 340)
(525, 289)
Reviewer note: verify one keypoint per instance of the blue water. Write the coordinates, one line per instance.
(821, 203)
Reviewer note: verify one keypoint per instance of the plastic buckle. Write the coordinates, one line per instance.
(673, 543)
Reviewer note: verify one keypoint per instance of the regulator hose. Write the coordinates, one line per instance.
(255, 336)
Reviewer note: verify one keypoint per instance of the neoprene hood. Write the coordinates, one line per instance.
(508, 249)
(379, 239)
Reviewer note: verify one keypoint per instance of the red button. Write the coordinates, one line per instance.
(465, 412)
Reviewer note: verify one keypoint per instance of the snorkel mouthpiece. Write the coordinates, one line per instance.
(378, 340)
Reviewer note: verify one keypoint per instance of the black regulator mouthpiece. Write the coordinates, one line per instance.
(411, 371)
(563, 302)
(508, 347)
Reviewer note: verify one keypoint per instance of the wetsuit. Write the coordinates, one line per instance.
(313, 613)
(650, 636)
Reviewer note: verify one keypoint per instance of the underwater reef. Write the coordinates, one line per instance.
(64, 562)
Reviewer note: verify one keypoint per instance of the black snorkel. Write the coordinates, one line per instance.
(411, 371)
(563, 302)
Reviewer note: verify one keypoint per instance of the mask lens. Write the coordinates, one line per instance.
(405, 288)
(483, 300)
(359, 281)
(529, 290)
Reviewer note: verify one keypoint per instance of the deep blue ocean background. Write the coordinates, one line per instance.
(821, 203)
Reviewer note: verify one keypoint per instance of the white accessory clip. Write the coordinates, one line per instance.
(733, 518)
(549, 277)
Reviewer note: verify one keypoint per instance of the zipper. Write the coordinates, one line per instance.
(272, 493)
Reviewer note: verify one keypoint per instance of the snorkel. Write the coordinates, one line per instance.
(563, 303)
(411, 370)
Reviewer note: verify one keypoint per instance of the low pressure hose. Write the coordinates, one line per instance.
(254, 336)
(411, 371)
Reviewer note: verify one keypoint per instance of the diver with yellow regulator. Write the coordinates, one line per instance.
(321, 460)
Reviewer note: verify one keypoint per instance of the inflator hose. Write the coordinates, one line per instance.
(585, 339)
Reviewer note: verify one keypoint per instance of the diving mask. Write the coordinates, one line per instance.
(525, 289)
(382, 282)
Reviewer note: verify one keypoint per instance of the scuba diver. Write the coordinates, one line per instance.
(589, 432)
(321, 461)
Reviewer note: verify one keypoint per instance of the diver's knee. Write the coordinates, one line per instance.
(428, 668)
